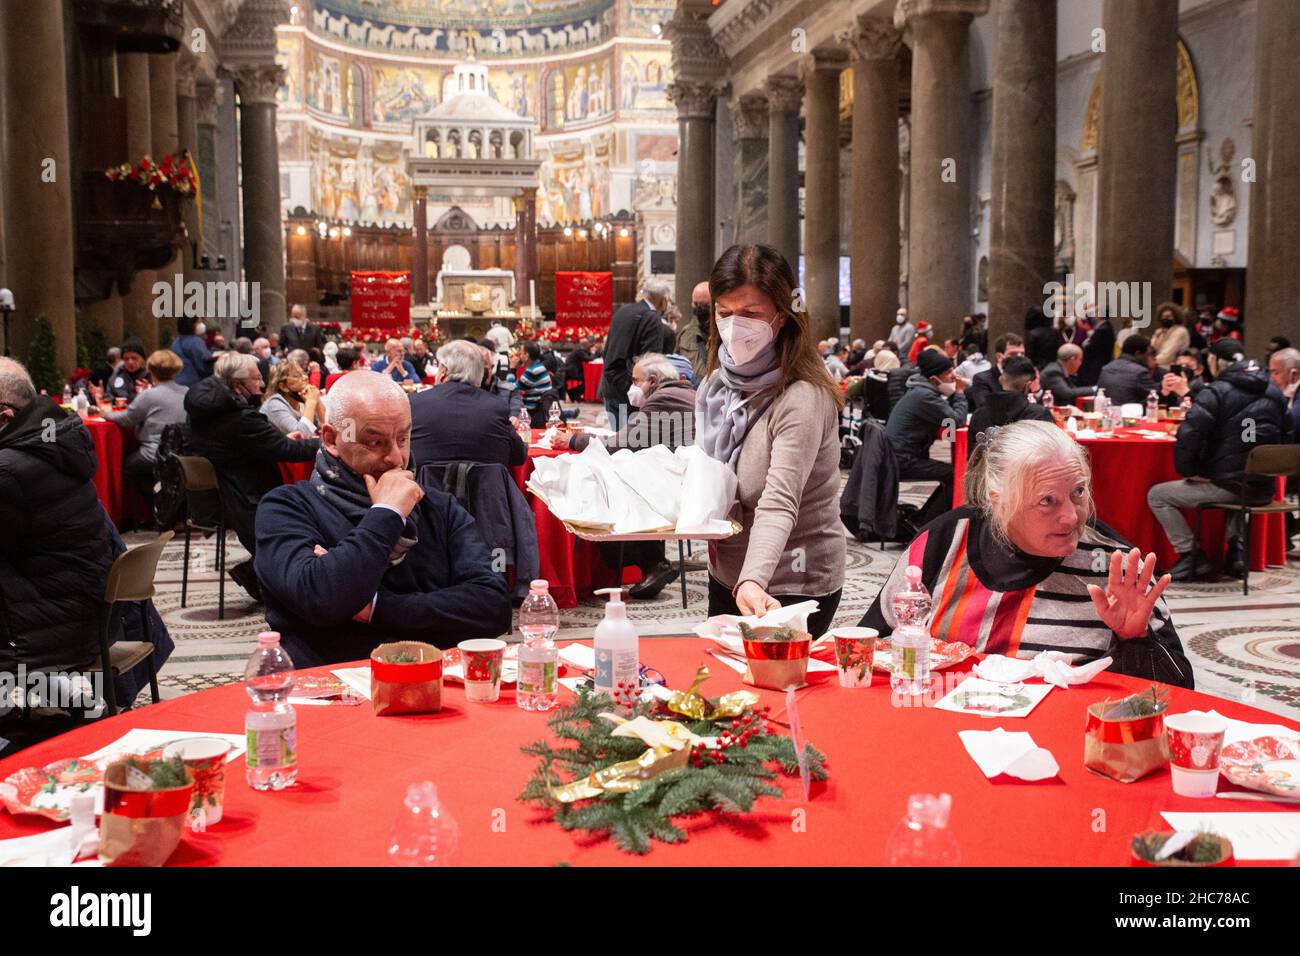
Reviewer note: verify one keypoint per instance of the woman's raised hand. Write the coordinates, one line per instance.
(1125, 604)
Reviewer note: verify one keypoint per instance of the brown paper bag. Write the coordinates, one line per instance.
(140, 827)
(406, 678)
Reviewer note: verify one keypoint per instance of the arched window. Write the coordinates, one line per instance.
(555, 112)
(357, 96)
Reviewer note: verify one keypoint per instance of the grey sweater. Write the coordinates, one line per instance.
(787, 500)
(152, 411)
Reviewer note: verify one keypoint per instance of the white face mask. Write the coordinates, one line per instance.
(200, 329)
(1069, 321)
(744, 337)
(635, 396)
(900, 318)
(947, 388)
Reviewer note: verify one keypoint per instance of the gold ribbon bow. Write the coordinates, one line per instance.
(691, 703)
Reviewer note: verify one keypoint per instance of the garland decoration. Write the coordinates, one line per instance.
(175, 172)
(633, 770)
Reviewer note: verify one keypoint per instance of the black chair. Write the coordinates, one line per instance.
(129, 579)
(200, 479)
(1272, 461)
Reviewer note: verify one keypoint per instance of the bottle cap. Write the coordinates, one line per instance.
(930, 809)
(913, 574)
(541, 584)
(268, 638)
(423, 794)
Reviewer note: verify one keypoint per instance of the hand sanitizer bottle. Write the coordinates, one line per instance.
(618, 661)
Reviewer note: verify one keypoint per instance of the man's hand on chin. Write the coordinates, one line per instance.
(362, 616)
(397, 489)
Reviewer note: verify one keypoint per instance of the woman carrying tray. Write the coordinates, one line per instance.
(769, 409)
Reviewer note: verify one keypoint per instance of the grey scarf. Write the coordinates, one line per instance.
(346, 490)
(732, 400)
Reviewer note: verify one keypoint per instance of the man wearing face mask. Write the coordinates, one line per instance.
(903, 334)
(934, 399)
(362, 553)
(196, 360)
(637, 328)
(693, 331)
(225, 425)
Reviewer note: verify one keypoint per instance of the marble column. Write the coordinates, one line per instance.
(164, 132)
(939, 240)
(1023, 207)
(873, 48)
(784, 97)
(525, 293)
(138, 320)
(1272, 291)
(187, 136)
(695, 102)
(205, 154)
(821, 76)
(1137, 153)
(420, 245)
(749, 168)
(38, 177)
(260, 168)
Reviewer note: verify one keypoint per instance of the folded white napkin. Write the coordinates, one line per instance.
(548, 438)
(1054, 667)
(1133, 410)
(727, 625)
(1013, 753)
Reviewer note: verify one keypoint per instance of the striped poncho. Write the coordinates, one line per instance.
(1000, 600)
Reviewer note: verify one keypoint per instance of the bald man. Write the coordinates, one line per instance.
(693, 333)
(1059, 377)
(362, 553)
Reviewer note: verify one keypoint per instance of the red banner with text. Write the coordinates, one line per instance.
(381, 300)
(584, 298)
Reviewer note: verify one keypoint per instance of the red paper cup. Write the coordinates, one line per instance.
(855, 654)
(1195, 741)
(206, 759)
(482, 659)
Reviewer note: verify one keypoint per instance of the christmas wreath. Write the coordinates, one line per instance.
(176, 173)
(636, 765)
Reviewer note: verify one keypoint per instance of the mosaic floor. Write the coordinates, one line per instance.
(1243, 648)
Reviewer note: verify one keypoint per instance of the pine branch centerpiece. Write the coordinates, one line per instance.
(633, 774)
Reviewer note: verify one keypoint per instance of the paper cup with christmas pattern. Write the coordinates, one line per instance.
(1195, 741)
(855, 654)
(482, 659)
(206, 759)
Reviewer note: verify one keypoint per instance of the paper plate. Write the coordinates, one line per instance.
(1268, 764)
(943, 654)
(48, 791)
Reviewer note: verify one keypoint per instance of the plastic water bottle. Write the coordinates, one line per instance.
(554, 414)
(67, 394)
(425, 833)
(910, 673)
(539, 661)
(922, 838)
(82, 405)
(270, 726)
(1153, 406)
(1100, 403)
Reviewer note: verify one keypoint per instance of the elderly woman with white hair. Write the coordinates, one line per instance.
(1025, 567)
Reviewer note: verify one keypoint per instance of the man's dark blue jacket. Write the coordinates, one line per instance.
(444, 592)
(460, 422)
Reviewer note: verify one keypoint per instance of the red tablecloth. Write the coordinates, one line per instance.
(591, 373)
(1124, 467)
(294, 471)
(571, 565)
(355, 767)
(112, 445)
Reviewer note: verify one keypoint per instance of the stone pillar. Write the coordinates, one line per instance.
(1137, 154)
(1272, 292)
(38, 177)
(821, 75)
(205, 154)
(260, 168)
(165, 135)
(1021, 241)
(784, 97)
(939, 254)
(695, 102)
(873, 48)
(420, 245)
(749, 168)
(529, 212)
(187, 136)
(138, 321)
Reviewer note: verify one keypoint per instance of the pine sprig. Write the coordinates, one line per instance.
(729, 783)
